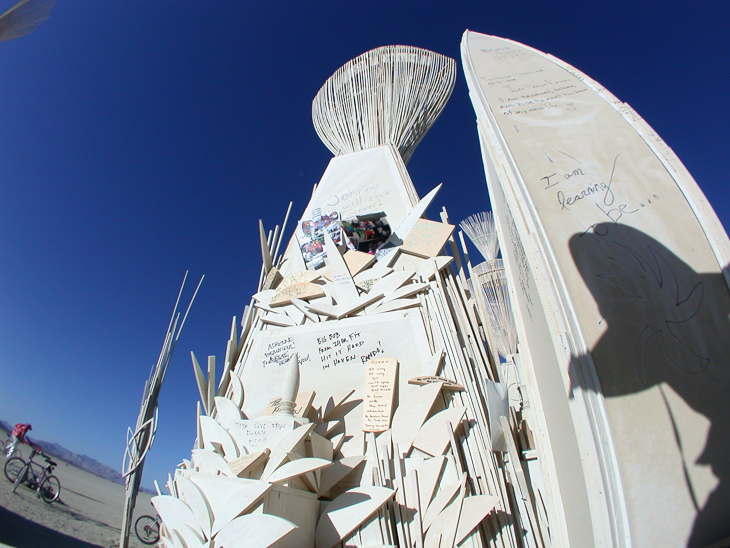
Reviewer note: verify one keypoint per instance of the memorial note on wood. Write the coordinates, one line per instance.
(380, 379)
(332, 358)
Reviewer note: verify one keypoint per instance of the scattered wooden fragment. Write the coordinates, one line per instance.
(429, 268)
(412, 413)
(272, 280)
(201, 381)
(248, 462)
(405, 226)
(343, 286)
(237, 392)
(282, 320)
(239, 502)
(427, 238)
(448, 384)
(367, 278)
(303, 291)
(332, 475)
(302, 306)
(226, 411)
(396, 304)
(440, 501)
(442, 531)
(264, 297)
(357, 261)
(404, 261)
(433, 437)
(334, 404)
(429, 473)
(390, 283)
(211, 386)
(473, 511)
(265, 252)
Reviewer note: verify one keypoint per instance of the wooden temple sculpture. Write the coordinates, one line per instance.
(386, 439)
(384, 392)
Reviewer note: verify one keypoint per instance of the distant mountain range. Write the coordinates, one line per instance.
(79, 461)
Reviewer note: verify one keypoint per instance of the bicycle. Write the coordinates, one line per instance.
(147, 529)
(47, 486)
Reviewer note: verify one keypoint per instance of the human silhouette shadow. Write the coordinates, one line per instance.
(667, 325)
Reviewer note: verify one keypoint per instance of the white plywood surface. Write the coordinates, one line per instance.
(592, 195)
(365, 182)
(332, 358)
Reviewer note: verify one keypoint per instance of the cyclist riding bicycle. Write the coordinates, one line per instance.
(17, 436)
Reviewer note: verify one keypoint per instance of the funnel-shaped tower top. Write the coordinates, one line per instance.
(392, 94)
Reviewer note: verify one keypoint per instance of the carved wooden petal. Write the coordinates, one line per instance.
(191, 495)
(259, 530)
(176, 514)
(297, 468)
(228, 411)
(347, 512)
(236, 390)
(238, 503)
(207, 460)
(285, 446)
(215, 433)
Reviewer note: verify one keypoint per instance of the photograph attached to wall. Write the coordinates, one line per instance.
(311, 236)
(366, 233)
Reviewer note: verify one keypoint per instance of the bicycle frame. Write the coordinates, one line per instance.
(31, 477)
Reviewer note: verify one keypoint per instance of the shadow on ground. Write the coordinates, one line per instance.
(19, 532)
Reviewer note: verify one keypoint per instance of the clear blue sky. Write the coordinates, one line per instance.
(139, 140)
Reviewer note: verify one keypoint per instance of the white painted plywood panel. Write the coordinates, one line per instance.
(639, 252)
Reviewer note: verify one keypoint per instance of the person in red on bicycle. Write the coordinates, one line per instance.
(17, 436)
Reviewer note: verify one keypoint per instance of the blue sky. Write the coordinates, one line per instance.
(139, 140)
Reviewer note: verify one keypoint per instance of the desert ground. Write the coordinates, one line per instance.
(87, 514)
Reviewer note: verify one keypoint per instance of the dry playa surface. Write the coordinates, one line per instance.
(87, 514)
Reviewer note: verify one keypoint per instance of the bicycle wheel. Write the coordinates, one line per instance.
(50, 489)
(13, 466)
(147, 529)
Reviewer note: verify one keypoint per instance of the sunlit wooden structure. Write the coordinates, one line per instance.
(390, 95)
(385, 392)
(140, 440)
(389, 443)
